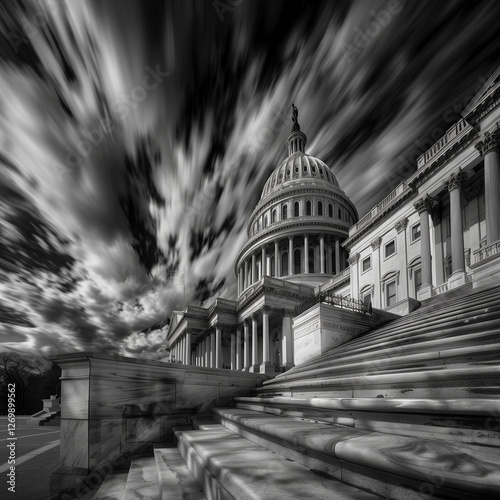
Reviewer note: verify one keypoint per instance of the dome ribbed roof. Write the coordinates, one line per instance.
(298, 167)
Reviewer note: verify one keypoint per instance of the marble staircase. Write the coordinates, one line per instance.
(409, 410)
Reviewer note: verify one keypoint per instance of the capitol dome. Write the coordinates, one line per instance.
(296, 230)
(298, 167)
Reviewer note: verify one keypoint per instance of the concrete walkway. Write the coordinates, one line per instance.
(36, 455)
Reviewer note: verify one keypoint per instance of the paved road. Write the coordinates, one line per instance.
(36, 455)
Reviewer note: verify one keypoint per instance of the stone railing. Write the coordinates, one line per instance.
(439, 289)
(328, 297)
(453, 134)
(387, 201)
(488, 251)
(114, 408)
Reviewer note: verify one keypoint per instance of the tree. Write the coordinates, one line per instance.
(21, 371)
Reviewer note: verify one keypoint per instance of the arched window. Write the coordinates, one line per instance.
(284, 264)
(297, 261)
(330, 210)
(340, 214)
(311, 260)
(284, 212)
(265, 221)
(320, 208)
(273, 216)
(296, 209)
(308, 208)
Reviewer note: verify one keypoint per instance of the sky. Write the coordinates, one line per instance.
(136, 138)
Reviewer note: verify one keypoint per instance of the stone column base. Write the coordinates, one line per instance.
(254, 369)
(458, 278)
(425, 292)
(267, 368)
(287, 366)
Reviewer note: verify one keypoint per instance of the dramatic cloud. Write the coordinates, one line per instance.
(136, 137)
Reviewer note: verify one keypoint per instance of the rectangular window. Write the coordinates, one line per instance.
(390, 291)
(366, 264)
(367, 298)
(390, 248)
(415, 232)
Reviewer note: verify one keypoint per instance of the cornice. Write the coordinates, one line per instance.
(429, 170)
(380, 217)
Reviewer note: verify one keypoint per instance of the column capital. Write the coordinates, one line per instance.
(266, 309)
(456, 180)
(401, 224)
(425, 204)
(288, 313)
(376, 243)
(353, 259)
(489, 142)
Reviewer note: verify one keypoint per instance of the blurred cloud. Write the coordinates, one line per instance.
(135, 139)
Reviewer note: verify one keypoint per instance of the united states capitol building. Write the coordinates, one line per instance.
(436, 231)
(360, 359)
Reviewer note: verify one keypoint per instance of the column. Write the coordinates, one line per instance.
(255, 346)
(322, 254)
(212, 349)
(254, 274)
(207, 351)
(266, 366)
(238, 349)
(290, 255)
(218, 347)
(188, 348)
(454, 185)
(263, 265)
(488, 148)
(424, 206)
(276, 259)
(329, 253)
(400, 227)
(245, 277)
(182, 350)
(377, 292)
(306, 253)
(337, 256)
(246, 346)
(233, 350)
(287, 340)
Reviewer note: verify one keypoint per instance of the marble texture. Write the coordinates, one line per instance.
(460, 466)
(112, 403)
(250, 472)
(113, 487)
(142, 480)
(175, 480)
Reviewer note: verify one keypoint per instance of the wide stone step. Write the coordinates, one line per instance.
(142, 480)
(485, 325)
(479, 322)
(480, 346)
(175, 480)
(113, 487)
(392, 465)
(231, 467)
(472, 421)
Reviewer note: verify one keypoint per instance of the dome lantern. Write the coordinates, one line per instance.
(297, 140)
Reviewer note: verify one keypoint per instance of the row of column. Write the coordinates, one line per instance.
(248, 272)
(489, 150)
(425, 207)
(245, 346)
